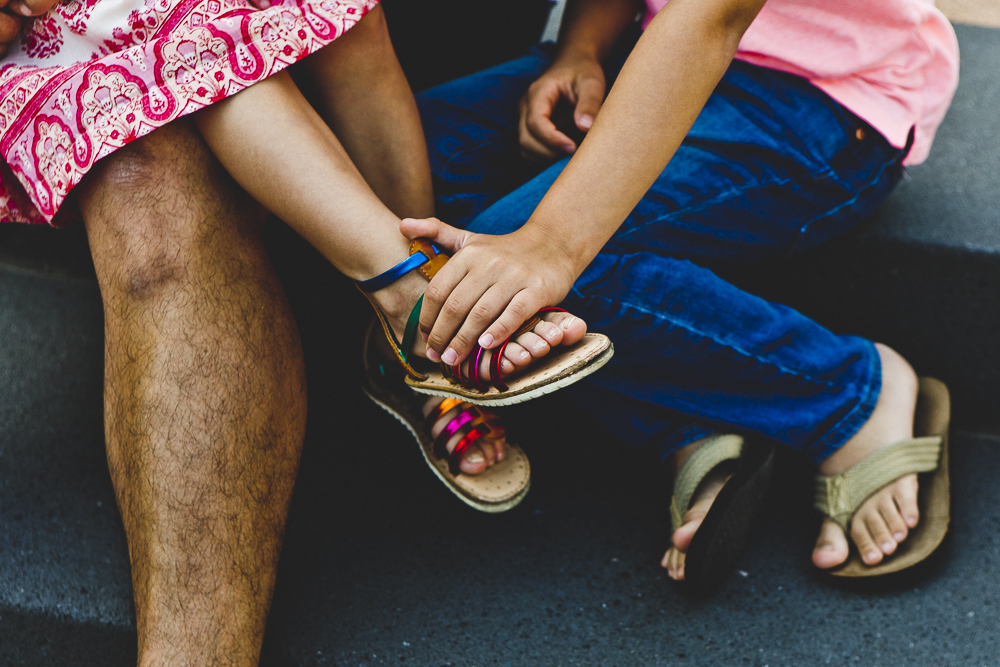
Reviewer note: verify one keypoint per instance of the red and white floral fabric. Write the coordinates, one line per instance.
(92, 75)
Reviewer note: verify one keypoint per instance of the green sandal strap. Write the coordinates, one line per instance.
(410, 332)
(839, 496)
(715, 450)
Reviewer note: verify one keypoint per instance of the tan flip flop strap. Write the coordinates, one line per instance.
(715, 450)
(839, 496)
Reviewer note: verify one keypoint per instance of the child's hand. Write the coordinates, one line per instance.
(489, 288)
(13, 15)
(27, 8)
(581, 82)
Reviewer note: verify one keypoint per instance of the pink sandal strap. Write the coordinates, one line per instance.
(456, 375)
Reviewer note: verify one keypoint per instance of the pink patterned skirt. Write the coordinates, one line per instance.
(92, 75)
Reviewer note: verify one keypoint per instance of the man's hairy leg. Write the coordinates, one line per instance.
(205, 397)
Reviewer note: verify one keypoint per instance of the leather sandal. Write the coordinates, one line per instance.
(839, 496)
(563, 366)
(725, 531)
(498, 488)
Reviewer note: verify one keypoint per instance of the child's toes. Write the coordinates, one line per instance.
(863, 540)
(550, 332)
(893, 518)
(904, 493)
(515, 354)
(500, 447)
(533, 343)
(572, 326)
(879, 530)
(831, 546)
(474, 460)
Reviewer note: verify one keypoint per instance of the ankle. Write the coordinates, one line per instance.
(890, 422)
(398, 299)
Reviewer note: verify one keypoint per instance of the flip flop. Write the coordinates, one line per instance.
(839, 496)
(725, 531)
(498, 488)
(563, 366)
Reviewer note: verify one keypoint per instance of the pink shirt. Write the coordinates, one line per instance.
(894, 63)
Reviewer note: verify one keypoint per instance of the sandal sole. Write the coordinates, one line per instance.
(579, 368)
(725, 532)
(482, 506)
(932, 417)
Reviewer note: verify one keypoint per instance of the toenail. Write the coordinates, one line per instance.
(450, 357)
(911, 521)
(872, 556)
(523, 355)
(887, 546)
(568, 322)
(433, 355)
(899, 537)
(475, 458)
(486, 340)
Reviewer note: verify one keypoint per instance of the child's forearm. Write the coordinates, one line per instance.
(657, 97)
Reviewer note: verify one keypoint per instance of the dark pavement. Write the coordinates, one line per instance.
(382, 566)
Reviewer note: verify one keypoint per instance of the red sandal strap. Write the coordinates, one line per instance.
(455, 458)
(456, 375)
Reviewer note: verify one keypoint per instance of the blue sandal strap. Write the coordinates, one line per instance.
(414, 261)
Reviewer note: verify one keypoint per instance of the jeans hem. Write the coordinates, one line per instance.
(844, 430)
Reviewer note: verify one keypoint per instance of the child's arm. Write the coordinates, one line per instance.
(495, 282)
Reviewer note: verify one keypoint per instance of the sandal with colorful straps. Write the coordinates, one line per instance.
(563, 366)
(496, 489)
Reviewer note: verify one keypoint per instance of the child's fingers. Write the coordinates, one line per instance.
(30, 7)
(10, 28)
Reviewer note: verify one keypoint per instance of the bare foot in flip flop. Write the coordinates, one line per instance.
(885, 519)
(701, 502)
(556, 328)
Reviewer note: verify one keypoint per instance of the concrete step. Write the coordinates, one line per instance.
(381, 565)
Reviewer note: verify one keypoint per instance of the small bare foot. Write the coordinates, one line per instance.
(555, 329)
(701, 502)
(885, 519)
(482, 454)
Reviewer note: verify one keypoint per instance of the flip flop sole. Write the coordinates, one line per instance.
(932, 417)
(560, 368)
(725, 532)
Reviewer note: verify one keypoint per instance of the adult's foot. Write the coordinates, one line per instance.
(701, 502)
(885, 519)
(555, 329)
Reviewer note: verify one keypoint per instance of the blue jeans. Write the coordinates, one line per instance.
(772, 166)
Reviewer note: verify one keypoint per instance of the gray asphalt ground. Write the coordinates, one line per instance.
(383, 566)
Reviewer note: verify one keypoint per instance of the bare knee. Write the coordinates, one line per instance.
(158, 209)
